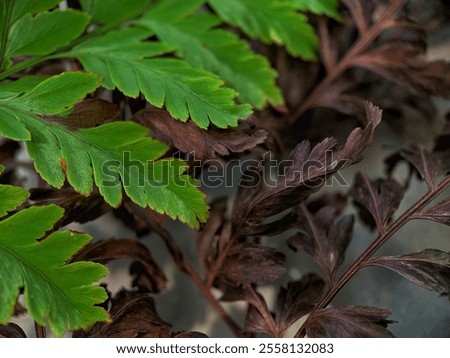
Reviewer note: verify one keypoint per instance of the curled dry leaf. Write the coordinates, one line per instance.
(381, 198)
(215, 234)
(11, 330)
(140, 220)
(398, 59)
(88, 113)
(323, 236)
(390, 43)
(133, 315)
(427, 164)
(349, 322)
(297, 184)
(251, 263)
(306, 174)
(131, 221)
(77, 207)
(296, 300)
(255, 322)
(105, 251)
(291, 220)
(428, 268)
(293, 302)
(233, 293)
(398, 62)
(294, 91)
(338, 96)
(336, 200)
(189, 138)
(275, 227)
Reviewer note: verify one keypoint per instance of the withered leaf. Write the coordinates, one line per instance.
(381, 198)
(399, 62)
(427, 164)
(361, 12)
(300, 180)
(275, 227)
(323, 236)
(291, 220)
(337, 96)
(189, 138)
(349, 322)
(11, 330)
(255, 322)
(232, 293)
(335, 200)
(77, 208)
(309, 169)
(249, 187)
(131, 221)
(140, 220)
(439, 213)
(87, 114)
(296, 300)
(107, 250)
(133, 315)
(125, 213)
(428, 268)
(215, 233)
(289, 71)
(251, 263)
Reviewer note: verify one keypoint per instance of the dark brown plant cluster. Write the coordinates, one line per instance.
(371, 72)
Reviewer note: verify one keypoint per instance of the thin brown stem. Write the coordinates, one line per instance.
(184, 265)
(348, 60)
(264, 312)
(215, 267)
(380, 241)
(327, 51)
(40, 331)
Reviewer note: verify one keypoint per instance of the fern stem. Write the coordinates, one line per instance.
(217, 264)
(348, 60)
(380, 241)
(40, 330)
(264, 312)
(184, 265)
